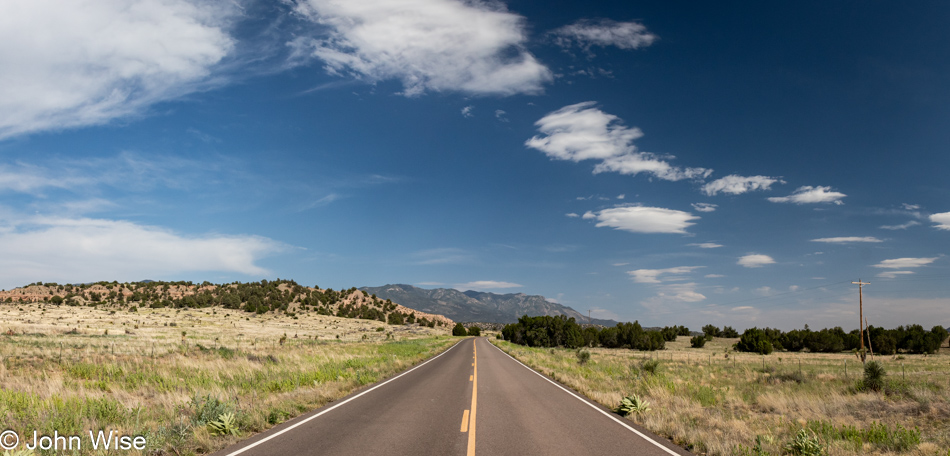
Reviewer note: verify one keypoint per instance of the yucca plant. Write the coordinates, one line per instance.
(632, 404)
(224, 425)
(805, 443)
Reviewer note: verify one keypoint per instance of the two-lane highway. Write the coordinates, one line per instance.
(471, 399)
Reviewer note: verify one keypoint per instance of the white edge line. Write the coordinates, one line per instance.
(300, 423)
(648, 439)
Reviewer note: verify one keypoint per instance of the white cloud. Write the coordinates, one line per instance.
(763, 291)
(620, 264)
(904, 263)
(582, 132)
(900, 227)
(847, 239)
(71, 63)
(500, 115)
(942, 220)
(642, 219)
(85, 250)
(572, 215)
(428, 45)
(586, 33)
(742, 308)
(704, 207)
(755, 260)
(893, 274)
(808, 195)
(621, 196)
(467, 111)
(736, 185)
(479, 285)
(713, 276)
(793, 287)
(706, 245)
(654, 275)
(910, 207)
(679, 292)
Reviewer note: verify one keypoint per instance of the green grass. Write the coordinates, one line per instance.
(717, 402)
(71, 383)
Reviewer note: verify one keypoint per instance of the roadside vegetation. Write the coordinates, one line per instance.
(190, 379)
(714, 400)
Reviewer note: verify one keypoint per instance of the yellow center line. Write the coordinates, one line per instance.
(465, 421)
(471, 425)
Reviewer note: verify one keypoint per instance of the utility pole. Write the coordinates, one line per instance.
(588, 316)
(860, 285)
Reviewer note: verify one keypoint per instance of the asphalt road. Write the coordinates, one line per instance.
(471, 399)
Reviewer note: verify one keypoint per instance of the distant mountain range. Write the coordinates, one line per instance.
(477, 306)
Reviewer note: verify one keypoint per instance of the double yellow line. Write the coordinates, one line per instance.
(468, 417)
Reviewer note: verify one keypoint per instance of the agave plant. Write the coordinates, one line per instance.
(632, 404)
(224, 425)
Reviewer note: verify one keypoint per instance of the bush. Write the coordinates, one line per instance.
(754, 340)
(805, 443)
(459, 330)
(873, 376)
(583, 356)
(698, 341)
(474, 331)
(650, 365)
(632, 404)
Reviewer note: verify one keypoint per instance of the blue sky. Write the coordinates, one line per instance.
(737, 164)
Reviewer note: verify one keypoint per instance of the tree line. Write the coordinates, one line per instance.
(560, 331)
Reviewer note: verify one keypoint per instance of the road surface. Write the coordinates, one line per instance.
(471, 399)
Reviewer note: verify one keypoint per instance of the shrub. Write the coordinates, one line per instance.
(224, 425)
(632, 404)
(650, 365)
(698, 341)
(873, 376)
(754, 340)
(474, 331)
(583, 356)
(805, 443)
(459, 330)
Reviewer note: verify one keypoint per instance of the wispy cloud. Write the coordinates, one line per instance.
(810, 195)
(755, 260)
(893, 274)
(587, 33)
(706, 245)
(904, 263)
(902, 226)
(582, 132)
(942, 220)
(643, 219)
(848, 239)
(661, 275)
(467, 111)
(428, 45)
(70, 64)
(704, 207)
(84, 250)
(480, 285)
(736, 185)
(572, 215)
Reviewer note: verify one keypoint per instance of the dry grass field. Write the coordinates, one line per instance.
(166, 373)
(719, 402)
